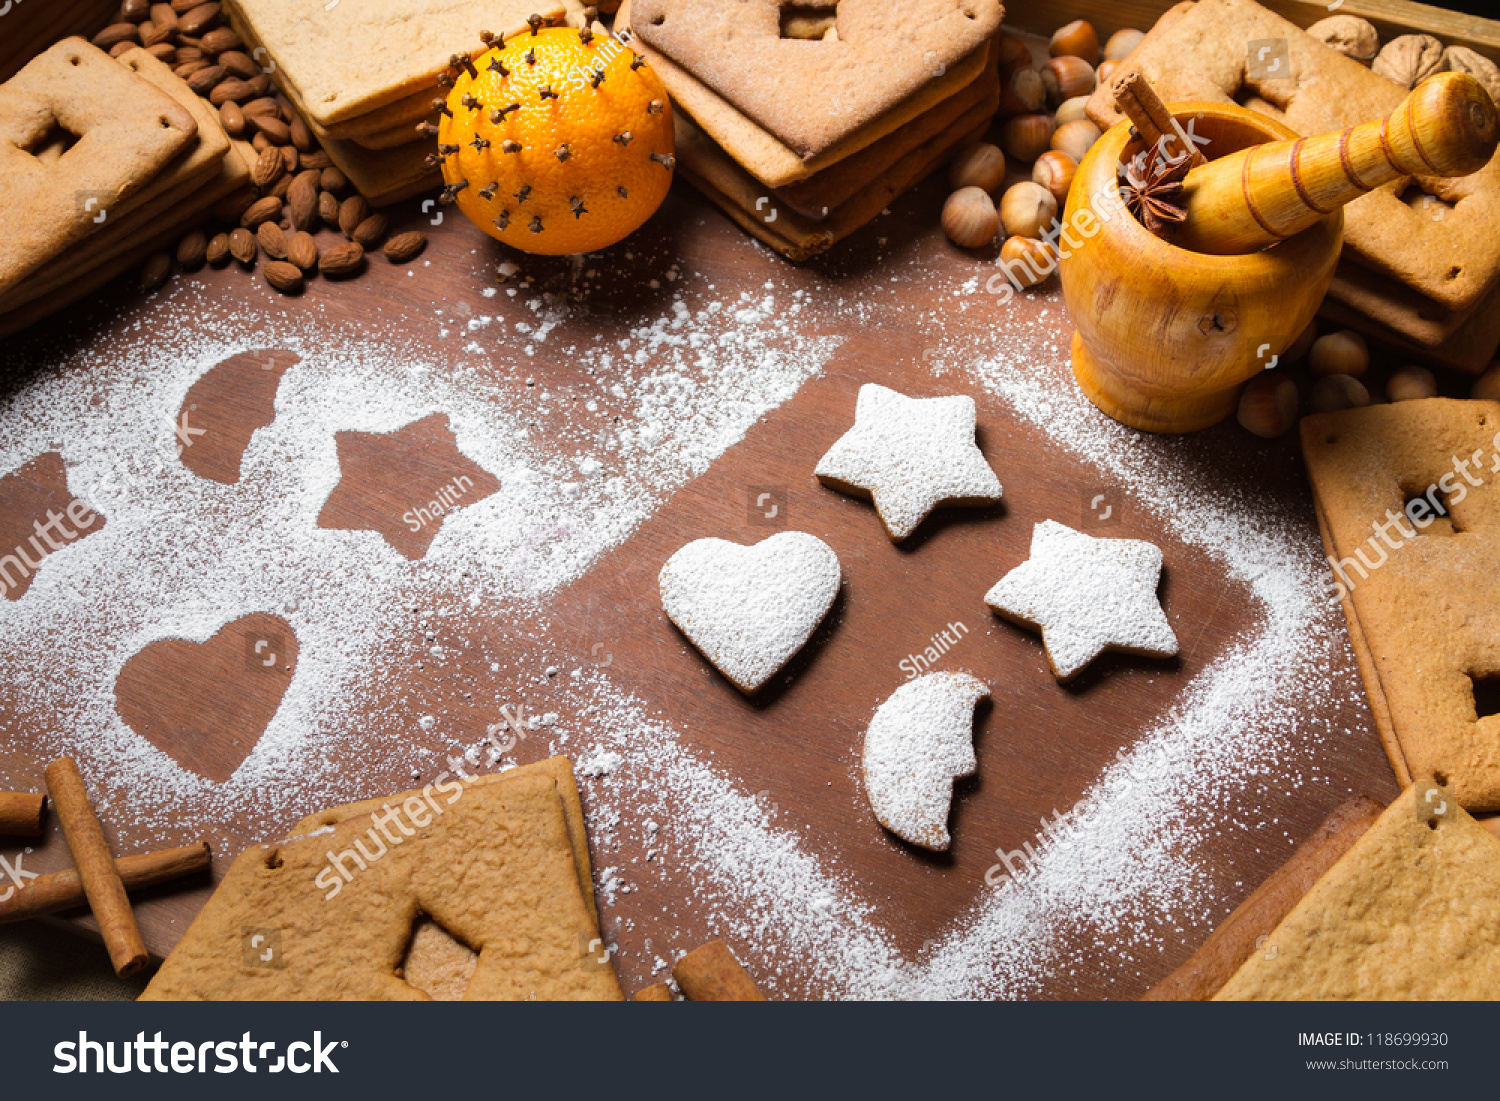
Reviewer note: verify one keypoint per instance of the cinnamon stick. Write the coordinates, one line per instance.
(96, 868)
(21, 813)
(712, 974)
(49, 894)
(656, 992)
(1158, 129)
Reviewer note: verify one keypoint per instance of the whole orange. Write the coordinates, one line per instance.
(557, 141)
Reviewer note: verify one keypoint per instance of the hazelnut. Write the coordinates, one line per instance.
(1055, 170)
(1410, 59)
(1066, 77)
(1076, 139)
(1268, 406)
(1022, 93)
(969, 218)
(1077, 39)
(1106, 71)
(981, 166)
(1026, 137)
(1411, 384)
(1013, 51)
(1072, 110)
(1027, 210)
(1332, 393)
(1341, 353)
(1121, 43)
(1487, 385)
(1349, 35)
(1028, 262)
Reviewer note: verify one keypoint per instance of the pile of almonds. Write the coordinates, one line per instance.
(1045, 127)
(297, 188)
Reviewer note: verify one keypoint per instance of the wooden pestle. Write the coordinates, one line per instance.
(1249, 200)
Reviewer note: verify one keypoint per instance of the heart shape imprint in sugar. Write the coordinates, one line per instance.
(749, 609)
(918, 743)
(224, 692)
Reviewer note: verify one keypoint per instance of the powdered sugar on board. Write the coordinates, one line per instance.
(749, 609)
(918, 743)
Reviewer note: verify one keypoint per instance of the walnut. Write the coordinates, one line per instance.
(1461, 59)
(1348, 34)
(1410, 59)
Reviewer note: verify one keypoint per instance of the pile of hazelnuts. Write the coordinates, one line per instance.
(1328, 372)
(1044, 126)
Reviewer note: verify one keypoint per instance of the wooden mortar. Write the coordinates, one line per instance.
(1166, 336)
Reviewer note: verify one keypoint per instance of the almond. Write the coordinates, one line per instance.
(260, 85)
(192, 250)
(372, 230)
(342, 259)
(180, 6)
(272, 240)
(302, 200)
(203, 81)
(156, 270)
(133, 11)
(114, 34)
(302, 250)
(272, 127)
(200, 19)
(289, 159)
(285, 277)
(301, 136)
(260, 143)
(328, 208)
(220, 39)
(352, 211)
(242, 246)
(120, 49)
(232, 87)
(262, 210)
(262, 106)
(190, 53)
(185, 69)
(232, 118)
(333, 179)
(405, 247)
(240, 64)
(231, 206)
(154, 33)
(316, 159)
(279, 188)
(164, 52)
(162, 15)
(267, 168)
(217, 252)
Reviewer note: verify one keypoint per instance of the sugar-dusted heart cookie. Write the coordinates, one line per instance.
(749, 609)
(909, 455)
(1086, 595)
(919, 742)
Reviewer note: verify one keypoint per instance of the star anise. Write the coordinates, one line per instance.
(1153, 193)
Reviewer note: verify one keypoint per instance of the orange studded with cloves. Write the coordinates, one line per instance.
(556, 141)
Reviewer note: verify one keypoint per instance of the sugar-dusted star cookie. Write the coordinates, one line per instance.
(909, 455)
(1086, 596)
(919, 742)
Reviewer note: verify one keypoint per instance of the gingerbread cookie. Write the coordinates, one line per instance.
(1408, 913)
(919, 742)
(749, 609)
(1086, 595)
(910, 456)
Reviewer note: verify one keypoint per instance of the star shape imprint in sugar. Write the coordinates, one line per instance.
(910, 455)
(1086, 595)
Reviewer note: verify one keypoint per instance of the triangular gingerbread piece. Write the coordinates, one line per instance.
(812, 94)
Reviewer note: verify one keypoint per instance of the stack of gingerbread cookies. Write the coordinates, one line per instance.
(364, 74)
(803, 122)
(109, 158)
(1421, 262)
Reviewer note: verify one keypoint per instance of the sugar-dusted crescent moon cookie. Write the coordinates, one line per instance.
(749, 609)
(918, 743)
(909, 456)
(1086, 595)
